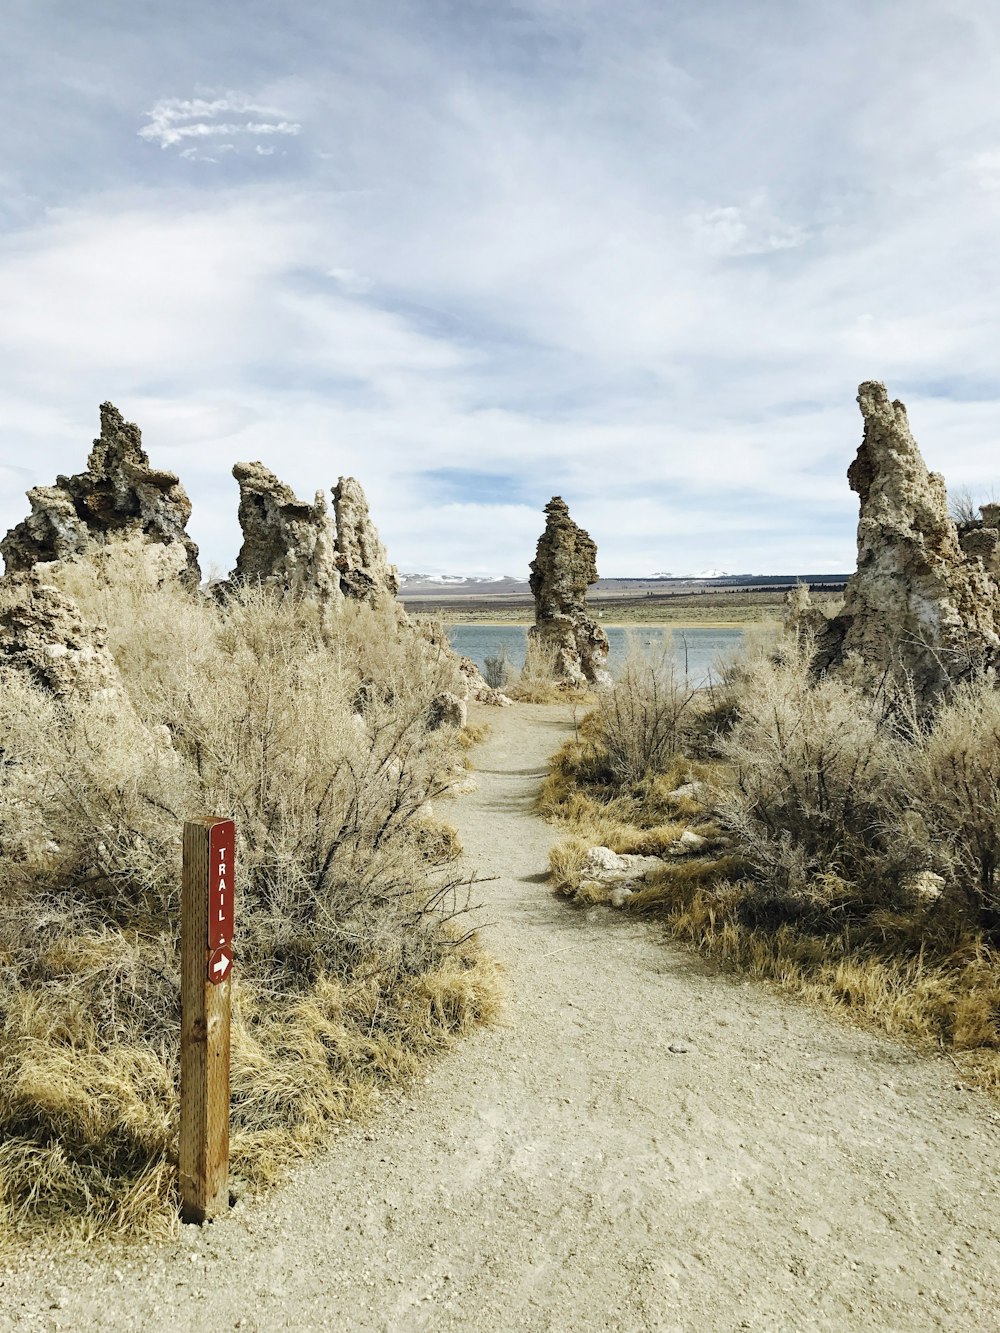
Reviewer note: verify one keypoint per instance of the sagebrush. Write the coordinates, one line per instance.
(311, 732)
(851, 848)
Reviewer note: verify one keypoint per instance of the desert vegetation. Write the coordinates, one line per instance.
(826, 815)
(836, 840)
(354, 961)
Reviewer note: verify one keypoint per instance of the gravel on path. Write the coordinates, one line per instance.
(643, 1144)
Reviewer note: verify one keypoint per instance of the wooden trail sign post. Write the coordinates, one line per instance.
(206, 965)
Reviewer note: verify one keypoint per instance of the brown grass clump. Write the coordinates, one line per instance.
(536, 682)
(473, 734)
(437, 840)
(351, 965)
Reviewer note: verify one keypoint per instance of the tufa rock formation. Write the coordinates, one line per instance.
(448, 710)
(918, 602)
(295, 546)
(43, 634)
(980, 538)
(802, 618)
(287, 543)
(118, 497)
(564, 567)
(365, 572)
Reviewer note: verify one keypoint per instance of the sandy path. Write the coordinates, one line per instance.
(567, 1171)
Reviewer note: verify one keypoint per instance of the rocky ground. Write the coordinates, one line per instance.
(642, 1145)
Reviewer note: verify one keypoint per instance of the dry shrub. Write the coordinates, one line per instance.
(310, 731)
(813, 789)
(537, 682)
(950, 783)
(498, 669)
(646, 817)
(646, 717)
(831, 797)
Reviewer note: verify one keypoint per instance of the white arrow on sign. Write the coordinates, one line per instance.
(221, 965)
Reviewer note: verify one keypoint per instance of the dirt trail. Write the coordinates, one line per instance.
(569, 1171)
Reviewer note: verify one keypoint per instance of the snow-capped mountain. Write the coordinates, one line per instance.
(415, 585)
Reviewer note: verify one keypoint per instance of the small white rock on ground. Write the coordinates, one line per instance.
(642, 1145)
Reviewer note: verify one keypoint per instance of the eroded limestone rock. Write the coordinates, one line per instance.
(564, 567)
(603, 866)
(448, 710)
(43, 633)
(981, 538)
(365, 571)
(802, 617)
(926, 886)
(119, 496)
(917, 603)
(287, 542)
(472, 683)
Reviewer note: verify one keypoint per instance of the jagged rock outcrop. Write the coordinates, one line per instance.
(365, 571)
(119, 496)
(564, 567)
(981, 538)
(918, 603)
(287, 543)
(448, 710)
(802, 617)
(473, 683)
(43, 633)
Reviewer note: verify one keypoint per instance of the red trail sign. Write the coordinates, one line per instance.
(221, 855)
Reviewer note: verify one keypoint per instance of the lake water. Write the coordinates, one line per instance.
(696, 650)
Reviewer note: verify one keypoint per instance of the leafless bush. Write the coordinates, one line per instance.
(964, 507)
(646, 717)
(498, 668)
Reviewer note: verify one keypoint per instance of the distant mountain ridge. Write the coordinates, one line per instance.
(507, 585)
(416, 585)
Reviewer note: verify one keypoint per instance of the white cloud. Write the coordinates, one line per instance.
(594, 247)
(744, 230)
(174, 120)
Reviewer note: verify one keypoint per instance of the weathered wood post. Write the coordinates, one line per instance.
(206, 964)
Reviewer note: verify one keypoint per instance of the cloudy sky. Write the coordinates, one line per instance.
(475, 252)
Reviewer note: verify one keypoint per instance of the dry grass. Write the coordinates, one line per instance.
(436, 840)
(819, 805)
(536, 682)
(473, 734)
(901, 975)
(582, 794)
(951, 781)
(352, 961)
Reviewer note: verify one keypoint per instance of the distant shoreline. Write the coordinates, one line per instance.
(626, 624)
(731, 609)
